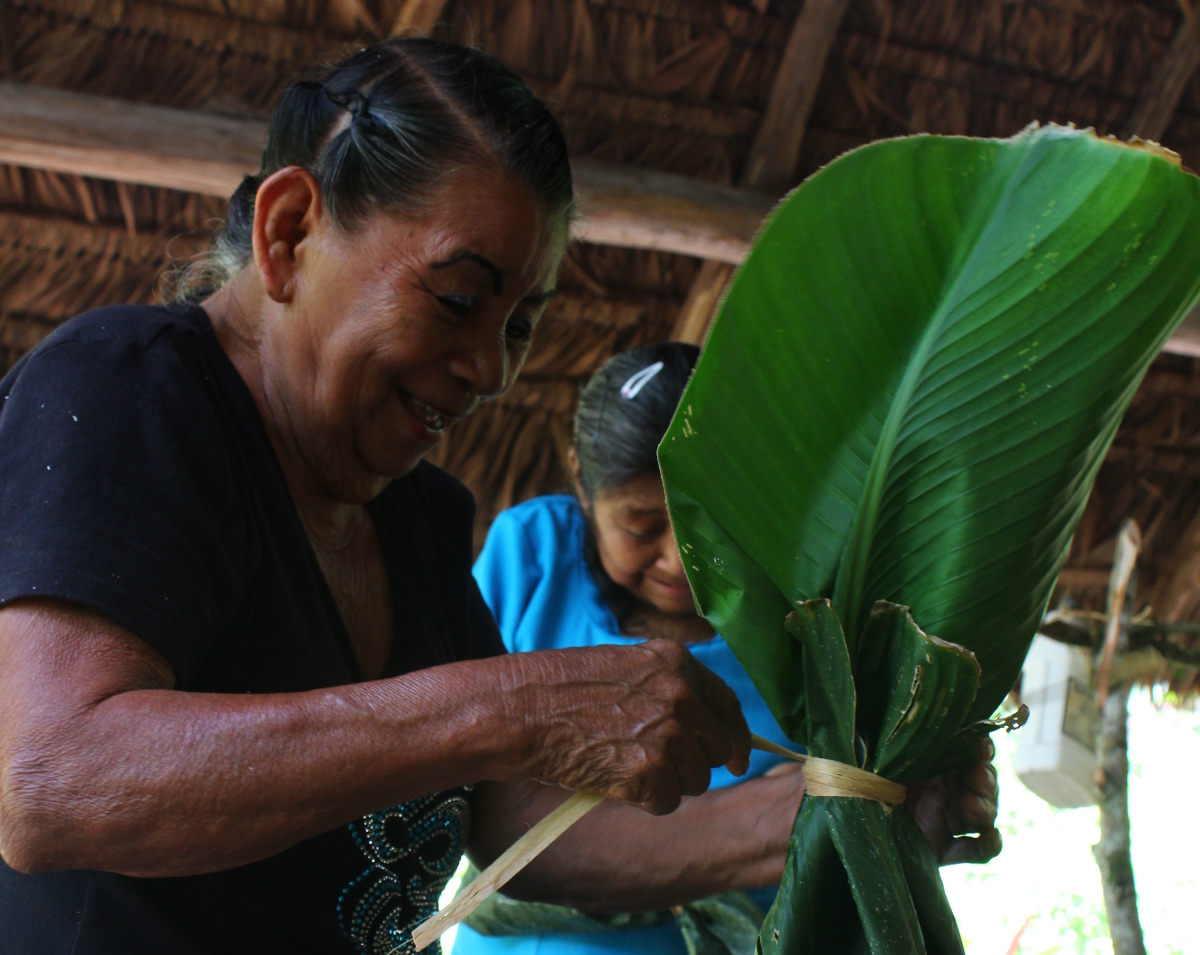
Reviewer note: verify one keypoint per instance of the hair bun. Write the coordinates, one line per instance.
(354, 102)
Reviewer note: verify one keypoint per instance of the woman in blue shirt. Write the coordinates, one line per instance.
(602, 567)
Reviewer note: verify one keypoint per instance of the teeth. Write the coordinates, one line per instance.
(434, 421)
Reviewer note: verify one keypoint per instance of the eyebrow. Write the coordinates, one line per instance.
(633, 510)
(468, 256)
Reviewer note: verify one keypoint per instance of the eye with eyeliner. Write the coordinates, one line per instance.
(460, 305)
(519, 330)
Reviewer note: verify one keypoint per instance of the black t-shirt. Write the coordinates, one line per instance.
(136, 478)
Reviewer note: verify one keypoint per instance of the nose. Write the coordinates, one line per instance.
(483, 365)
(670, 561)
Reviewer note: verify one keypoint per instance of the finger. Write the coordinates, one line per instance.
(710, 727)
(973, 849)
(973, 798)
(970, 813)
(723, 702)
(691, 765)
(690, 698)
(664, 799)
(980, 778)
(706, 731)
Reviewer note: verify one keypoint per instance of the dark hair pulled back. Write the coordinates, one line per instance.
(413, 109)
(624, 412)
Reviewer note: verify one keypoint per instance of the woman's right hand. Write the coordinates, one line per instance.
(644, 724)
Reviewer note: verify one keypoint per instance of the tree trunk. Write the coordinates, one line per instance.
(1112, 853)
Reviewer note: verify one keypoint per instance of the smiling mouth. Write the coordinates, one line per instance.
(676, 589)
(433, 419)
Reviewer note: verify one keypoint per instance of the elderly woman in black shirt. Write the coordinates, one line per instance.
(247, 682)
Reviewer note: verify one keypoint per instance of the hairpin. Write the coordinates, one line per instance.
(639, 380)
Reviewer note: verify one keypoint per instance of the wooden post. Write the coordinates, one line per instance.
(1160, 98)
(1112, 852)
(350, 18)
(418, 17)
(696, 314)
(776, 147)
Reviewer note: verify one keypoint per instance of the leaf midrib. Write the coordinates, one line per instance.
(852, 573)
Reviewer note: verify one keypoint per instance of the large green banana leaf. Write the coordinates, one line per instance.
(912, 383)
(903, 405)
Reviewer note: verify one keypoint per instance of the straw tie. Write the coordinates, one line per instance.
(825, 777)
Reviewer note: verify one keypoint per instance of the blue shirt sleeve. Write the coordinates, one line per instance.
(508, 572)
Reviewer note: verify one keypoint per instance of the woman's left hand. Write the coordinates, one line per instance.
(957, 811)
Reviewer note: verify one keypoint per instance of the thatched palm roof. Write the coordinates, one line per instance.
(681, 86)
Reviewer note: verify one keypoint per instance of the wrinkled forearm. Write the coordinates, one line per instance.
(618, 858)
(103, 765)
(156, 782)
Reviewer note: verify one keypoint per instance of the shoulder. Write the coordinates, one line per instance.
(119, 327)
(534, 575)
(123, 349)
(539, 542)
(552, 523)
(121, 483)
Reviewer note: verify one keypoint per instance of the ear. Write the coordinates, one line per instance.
(573, 464)
(287, 209)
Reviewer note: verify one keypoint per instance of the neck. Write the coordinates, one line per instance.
(238, 312)
(646, 620)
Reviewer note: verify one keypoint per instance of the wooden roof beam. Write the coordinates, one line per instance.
(642, 209)
(775, 152)
(125, 141)
(200, 152)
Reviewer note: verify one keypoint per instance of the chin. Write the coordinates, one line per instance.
(398, 465)
(393, 456)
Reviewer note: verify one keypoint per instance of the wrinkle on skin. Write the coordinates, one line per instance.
(637, 544)
(637, 549)
(361, 343)
(333, 328)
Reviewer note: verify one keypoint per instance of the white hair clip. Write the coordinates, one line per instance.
(638, 380)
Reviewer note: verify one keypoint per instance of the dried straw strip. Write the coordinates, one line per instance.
(824, 778)
(827, 777)
(1046, 38)
(55, 268)
(148, 51)
(512, 861)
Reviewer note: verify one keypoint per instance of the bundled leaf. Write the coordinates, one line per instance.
(906, 398)
(894, 712)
